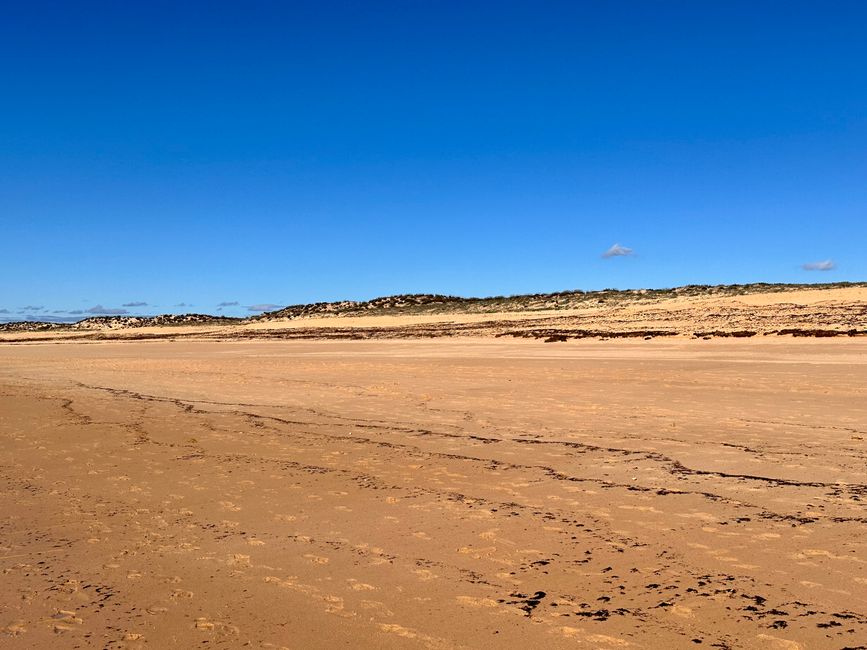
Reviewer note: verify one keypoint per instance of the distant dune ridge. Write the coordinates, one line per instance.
(119, 322)
(435, 303)
(698, 311)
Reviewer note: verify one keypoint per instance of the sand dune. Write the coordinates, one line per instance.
(463, 493)
(702, 312)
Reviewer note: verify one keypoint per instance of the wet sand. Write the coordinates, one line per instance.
(434, 494)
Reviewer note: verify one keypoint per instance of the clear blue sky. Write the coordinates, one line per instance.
(279, 152)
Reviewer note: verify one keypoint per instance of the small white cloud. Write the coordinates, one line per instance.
(617, 251)
(137, 303)
(233, 303)
(824, 265)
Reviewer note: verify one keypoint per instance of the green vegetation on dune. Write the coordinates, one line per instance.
(442, 304)
(433, 304)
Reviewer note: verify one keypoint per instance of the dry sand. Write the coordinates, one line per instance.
(445, 493)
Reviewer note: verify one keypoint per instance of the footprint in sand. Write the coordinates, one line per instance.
(15, 628)
(376, 607)
(69, 587)
(472, 601)
(333, 604)
(65, 620)
(425, 574)
(776, 643)
(489, 534)
(602, 640)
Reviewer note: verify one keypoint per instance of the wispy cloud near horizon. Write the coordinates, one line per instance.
(135, 304)
(105, 311)
(263, 307)
(233, 303)
(824, 265)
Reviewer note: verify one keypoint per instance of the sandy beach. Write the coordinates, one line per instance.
(433, 326)
(459, 493)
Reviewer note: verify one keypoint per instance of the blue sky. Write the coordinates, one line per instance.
(189, 154)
